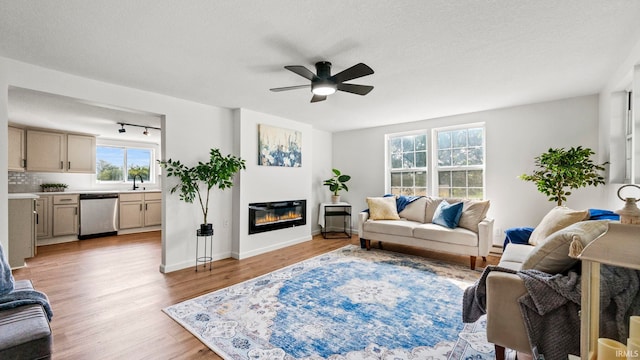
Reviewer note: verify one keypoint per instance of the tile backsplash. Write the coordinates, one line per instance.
(20, 182)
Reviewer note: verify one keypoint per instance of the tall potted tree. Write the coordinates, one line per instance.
(197, 181)
(560, 171)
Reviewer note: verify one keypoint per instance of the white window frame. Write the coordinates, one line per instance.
(435, 170)
(389, 170)
(152, 162)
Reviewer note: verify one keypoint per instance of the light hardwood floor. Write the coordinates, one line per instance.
(107, 293)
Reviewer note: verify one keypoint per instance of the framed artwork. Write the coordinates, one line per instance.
(279, 147)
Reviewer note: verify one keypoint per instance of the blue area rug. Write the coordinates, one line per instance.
(346, 304)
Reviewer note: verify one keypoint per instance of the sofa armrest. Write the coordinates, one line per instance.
(485, 236)
(362, 218)
(505, 326)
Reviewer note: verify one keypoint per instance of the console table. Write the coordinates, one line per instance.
(332, 210)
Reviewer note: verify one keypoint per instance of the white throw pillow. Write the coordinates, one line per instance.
(472, 213)
(558, 218)
(383, 208)
(415, 210)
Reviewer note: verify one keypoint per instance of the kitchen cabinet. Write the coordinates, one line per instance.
(22, 231)
(43, 218)
(138, 210)
(81, 154)
(152, 208)
(59, 152)
(45, 151)
(65, 215)
(16, 150)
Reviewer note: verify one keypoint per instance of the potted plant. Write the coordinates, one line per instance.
(337, 183)
(53, 187)
(197, 181)
(561, 170)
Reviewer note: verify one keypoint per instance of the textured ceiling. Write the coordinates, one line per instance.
(431, 58)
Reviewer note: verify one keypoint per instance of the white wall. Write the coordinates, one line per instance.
(190, 130)
(322, 165)
(514, 136)
(269, 183)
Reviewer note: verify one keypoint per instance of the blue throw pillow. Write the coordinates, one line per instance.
(448, 214)
(517, 235)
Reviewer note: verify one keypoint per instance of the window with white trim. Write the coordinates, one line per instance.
(456, 169)
(122, 163)
(407, 163)
(460, 162)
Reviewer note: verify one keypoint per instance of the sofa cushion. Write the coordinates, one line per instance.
(514, 256)
(448, 214)
(383, 208)
(552, 254)
(415, 210)
(473, 212)
(391, 227)
(558, 218)
(458, 236)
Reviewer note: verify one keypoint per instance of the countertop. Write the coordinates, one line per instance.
(23, 196)
(35, 195)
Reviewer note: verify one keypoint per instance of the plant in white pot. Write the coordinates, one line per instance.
(197, 181)
(337, 183)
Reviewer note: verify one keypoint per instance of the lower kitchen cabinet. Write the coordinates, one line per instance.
(22, 231)
(65, 215)
(139, 210)
(43, 218)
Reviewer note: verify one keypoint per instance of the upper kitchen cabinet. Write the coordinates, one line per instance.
(81, 154)
(59, 152)
(16, 149)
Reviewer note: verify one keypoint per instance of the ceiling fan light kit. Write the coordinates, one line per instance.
(324, 84)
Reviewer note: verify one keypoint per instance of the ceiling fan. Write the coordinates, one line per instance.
(324, 84)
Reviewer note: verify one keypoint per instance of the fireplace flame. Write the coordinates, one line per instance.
(272, 218)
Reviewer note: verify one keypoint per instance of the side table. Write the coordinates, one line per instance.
(208, 237)
(331, 210)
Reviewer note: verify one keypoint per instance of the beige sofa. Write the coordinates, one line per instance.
(473, 236)
(505, 325)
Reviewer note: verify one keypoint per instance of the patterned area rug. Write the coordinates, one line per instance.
(346, 304)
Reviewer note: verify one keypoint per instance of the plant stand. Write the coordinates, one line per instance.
(207, 237)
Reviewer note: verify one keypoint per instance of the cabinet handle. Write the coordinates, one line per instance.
(61, 165)
(69, 166)
(24, 163)
(146, 207)
(140, 207)
(76, 210)
(66, 199)
(37, 218)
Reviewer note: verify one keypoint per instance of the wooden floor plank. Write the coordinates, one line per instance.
(107, 293)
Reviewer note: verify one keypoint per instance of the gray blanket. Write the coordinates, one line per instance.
(550, 309)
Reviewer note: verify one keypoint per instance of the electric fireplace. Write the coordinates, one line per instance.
(276, 215)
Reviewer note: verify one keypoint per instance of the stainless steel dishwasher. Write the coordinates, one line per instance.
(98, 215)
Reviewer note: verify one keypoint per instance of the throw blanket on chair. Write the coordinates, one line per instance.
(6, 278)
(10, 298)
(550, 308)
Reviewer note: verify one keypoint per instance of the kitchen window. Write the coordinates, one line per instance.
(121, 163)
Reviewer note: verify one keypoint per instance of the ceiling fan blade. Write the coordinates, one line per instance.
(290, 88)
(317, 98)
(355, 89)
(302, 71)
(354, 72)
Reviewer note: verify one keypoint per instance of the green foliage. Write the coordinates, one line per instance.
(107, 171)
(143, 171)
(561, 170)
(337, 182)
(218, 172)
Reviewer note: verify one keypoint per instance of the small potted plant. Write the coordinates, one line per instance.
(53, 187)
(197, 181)
(337, 183)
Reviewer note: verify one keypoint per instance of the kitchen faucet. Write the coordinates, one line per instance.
(134, 181)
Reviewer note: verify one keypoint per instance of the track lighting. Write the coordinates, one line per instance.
(145, 132)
